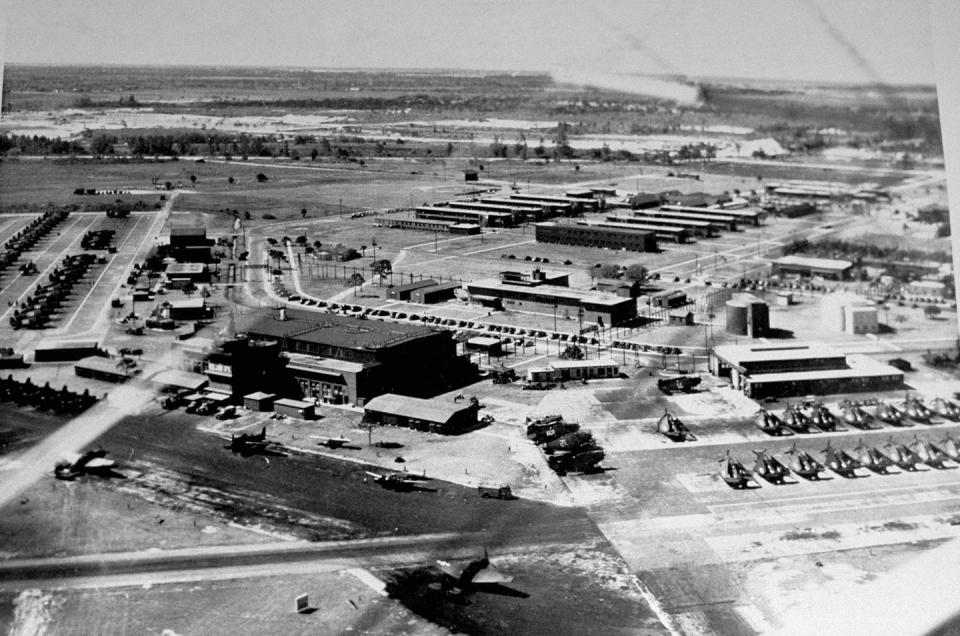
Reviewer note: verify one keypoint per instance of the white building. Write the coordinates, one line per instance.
(564, 370)
(850, 313)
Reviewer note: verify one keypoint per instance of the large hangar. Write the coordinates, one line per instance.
(778, 370)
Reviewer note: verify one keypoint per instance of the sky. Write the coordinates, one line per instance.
(824, 40)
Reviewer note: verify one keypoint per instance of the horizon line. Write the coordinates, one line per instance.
(450, 70)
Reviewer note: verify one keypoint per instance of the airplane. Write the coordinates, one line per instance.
(478, 575)
(533, 423)
(678, 383)
(733, 472)
(946, 409)
(769, 467)
(401, 482)
(890, 414)
(902, 456)
(554, 431)
(585, 460)
(570, 442)
(840, 462)
(770, 423)
(90, 463)
(822, 418)
(856, 416)
(251, 444)
(672, 427)
(333, 442)
(870, 457)
(803, 464)
(917, 410)
(796, 420)
(927, 453)
(948, 446)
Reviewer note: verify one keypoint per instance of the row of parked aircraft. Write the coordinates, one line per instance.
(906, 457)
(812, 416)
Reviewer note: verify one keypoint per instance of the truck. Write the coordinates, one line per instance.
(495, 492)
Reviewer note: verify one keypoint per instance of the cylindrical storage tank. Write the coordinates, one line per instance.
(758, 319)
(736, 317)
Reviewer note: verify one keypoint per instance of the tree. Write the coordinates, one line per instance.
(301, 240)
(230, 180)
(303, 213)
(931, 311)
(356, 279)
(247, 215)
(572, 352)
(189, 288)
(262, 177)
(313, 154)
(609, 270)
(636, 272)
(382, 268)
(193, 179)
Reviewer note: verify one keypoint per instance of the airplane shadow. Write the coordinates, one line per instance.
(499, 589)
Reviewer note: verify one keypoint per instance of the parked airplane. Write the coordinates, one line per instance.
(477, 576)
(401, 482)
(902, 456)
(822, 418)
(840, 462)
(796, 420)
(252, 444)
(733, 472)
(333, 442)
(948, 446)
(672, 427)
(917, 410)
(803, 464)
(769, 467)
(90, 463)
(946, 409)
(856, 416)
(890, 414)
(770, 423)
(927, 453)
(870, 457)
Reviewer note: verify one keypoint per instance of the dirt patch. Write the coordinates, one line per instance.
(808, 533)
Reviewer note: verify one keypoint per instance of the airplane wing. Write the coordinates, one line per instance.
(447, 569)
(491, 575)
(99, 462)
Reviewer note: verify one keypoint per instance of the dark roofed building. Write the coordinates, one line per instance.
(342, 359)
(437, 416)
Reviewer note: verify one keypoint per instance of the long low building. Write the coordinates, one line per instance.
(577, 204)
(442, 416)
(429, 225)
(694, 227)
(617, 238)
(719, 221)
(786, 370)
(808, 266)
(748, 217)
(565, 370)
(606, 310)
(661, 230)
(483, 218)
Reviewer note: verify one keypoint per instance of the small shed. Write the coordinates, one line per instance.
(178, 380)
(471, 175)
(681, 317)
(103, 369)
(485, 344)
(259, 401)
(294, 408)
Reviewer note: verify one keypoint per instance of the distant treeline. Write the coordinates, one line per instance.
(833, 248)
(39, 145)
